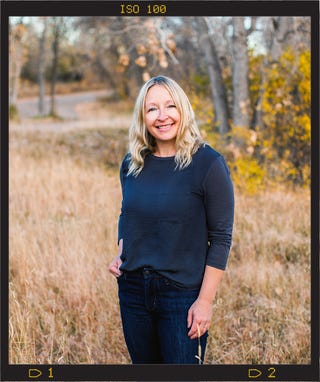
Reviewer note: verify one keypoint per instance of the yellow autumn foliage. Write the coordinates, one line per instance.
(286, 116)
(276, 151)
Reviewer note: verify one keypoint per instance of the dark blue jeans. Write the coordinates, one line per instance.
(154, 318)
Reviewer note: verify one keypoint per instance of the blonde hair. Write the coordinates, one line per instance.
(141, 142)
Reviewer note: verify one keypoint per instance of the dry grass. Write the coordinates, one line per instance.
(63, 223)
(262, 313)
(64, 206)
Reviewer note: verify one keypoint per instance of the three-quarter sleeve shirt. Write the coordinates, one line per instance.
(177, 221)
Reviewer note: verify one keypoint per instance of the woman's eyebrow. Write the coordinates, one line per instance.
(155, 102)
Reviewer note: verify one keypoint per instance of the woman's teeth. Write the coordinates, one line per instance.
(164, 126)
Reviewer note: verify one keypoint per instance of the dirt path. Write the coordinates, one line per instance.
(77, 110)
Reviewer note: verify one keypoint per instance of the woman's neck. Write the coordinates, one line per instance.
(165, 151)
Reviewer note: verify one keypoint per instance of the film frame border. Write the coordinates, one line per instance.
(19, 372)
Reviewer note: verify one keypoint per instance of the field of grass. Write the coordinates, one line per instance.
(64, 201)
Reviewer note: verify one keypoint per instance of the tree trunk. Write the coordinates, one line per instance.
(41, 68)
(282, 32)
(241, 99)
(217, 87)
(55, 50)
(16, 35)
(257, 120)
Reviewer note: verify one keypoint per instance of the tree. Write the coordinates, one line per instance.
(57, 30)
(279, 33)
(17, 39)
(126, 51)
(240, 74)
(41, 66)
(281, 29)
(217, 86)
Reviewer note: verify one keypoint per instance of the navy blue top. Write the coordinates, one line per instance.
(177, 221)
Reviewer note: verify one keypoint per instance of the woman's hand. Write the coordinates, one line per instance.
(199, 318)
(116, 263)
(114, 267)
(200, 312)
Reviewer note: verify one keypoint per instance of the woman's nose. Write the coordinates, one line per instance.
(162, 115)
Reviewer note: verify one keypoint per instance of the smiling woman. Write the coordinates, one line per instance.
(142, 141)
(175, 229)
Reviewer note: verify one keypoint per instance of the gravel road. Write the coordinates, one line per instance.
(65, 104)
(73, 110)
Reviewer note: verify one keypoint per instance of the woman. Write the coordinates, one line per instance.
(175, 229)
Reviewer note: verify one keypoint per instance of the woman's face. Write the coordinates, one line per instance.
(162, 118)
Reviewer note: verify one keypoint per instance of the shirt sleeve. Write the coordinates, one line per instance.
(123, 172)
(219, 202)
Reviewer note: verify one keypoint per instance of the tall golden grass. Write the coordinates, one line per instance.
(63, 209)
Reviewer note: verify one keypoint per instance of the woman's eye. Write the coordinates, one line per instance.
(172, 105)
(151, 109)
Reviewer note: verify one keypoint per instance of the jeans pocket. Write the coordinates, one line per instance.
(177, 286)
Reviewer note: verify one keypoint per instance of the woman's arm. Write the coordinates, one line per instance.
(200, 312)
(219, 204)
(116, 263)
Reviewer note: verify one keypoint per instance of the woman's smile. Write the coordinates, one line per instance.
(165, 127)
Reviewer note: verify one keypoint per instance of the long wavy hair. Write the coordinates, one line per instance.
(141, 142)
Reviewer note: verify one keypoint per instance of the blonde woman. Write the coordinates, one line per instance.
(175, 229)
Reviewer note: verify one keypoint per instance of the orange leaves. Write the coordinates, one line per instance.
(146, 76)
(141, 49)
(124, 60)
(141, 61)
(153, 46)
(171, 45)
(162, 58)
